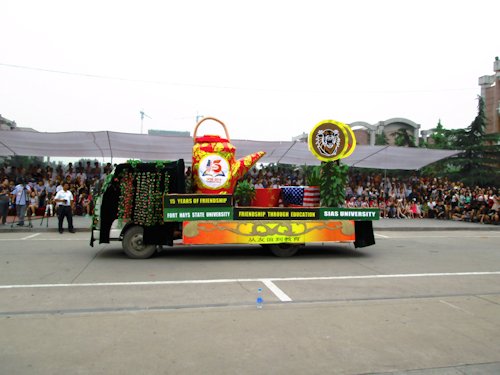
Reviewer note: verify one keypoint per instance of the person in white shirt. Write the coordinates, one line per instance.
(20, 196)
(64, 199)
(259, 184)
(81, 175)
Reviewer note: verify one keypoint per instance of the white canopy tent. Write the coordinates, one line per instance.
(106, 144)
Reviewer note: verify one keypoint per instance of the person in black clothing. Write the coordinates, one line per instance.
(440, 210)
(4, 201)
(413, 195)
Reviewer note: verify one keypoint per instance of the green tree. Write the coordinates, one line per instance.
(443, 139)
(403, 138)
(478, 164)
(381, 139)
(439, 137)
(24, 161)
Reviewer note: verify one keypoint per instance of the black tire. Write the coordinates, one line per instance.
(283, 250)
(133, 244)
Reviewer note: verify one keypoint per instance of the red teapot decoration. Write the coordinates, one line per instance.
(215, 168)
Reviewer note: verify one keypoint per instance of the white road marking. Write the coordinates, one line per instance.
(282, 296)
(455, 236)
(28, 237)
(45, 239)
(262, 280)
(456, 307)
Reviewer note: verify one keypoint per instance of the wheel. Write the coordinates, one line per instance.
(133, 244)
(283, 250)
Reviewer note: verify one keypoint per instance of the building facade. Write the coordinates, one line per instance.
(366, 133)
(490, 91)
(6, 124)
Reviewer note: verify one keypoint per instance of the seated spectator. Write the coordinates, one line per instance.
(351, 203)
(468, 214)
(457, 214)
(407, 209)
(431, 213)
(448, 209)
(383, 208)
(32, 204)
(415, 209)
(49, 205)
(82, 188)
(259, 184)
(494, 216)
(84, 205)
(399, 209)
(482, 214)
(365, 203)
(424, 208)
(391, 208)
(439, 210)
(358, 202)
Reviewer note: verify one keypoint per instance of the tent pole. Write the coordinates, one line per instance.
(110, 148)
(385, 180)
(286, 152)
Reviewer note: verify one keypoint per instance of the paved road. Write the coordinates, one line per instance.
(418, 302)
(82, 224)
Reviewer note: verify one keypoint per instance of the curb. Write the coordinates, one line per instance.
(482, 228)
(27, 229)
(82, 224)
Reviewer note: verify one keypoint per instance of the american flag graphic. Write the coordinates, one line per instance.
(311, 196)
(307, 196)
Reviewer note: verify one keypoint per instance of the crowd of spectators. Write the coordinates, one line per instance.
(409, 197)
(43, 182)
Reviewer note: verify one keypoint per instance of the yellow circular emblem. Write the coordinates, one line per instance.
(331, 140)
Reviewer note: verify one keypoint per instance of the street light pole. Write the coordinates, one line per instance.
(143, 114)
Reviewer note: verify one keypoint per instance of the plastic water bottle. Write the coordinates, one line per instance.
(260, 300)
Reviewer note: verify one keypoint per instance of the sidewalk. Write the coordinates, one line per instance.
(44, 224)
(82, 224)
(429, 225)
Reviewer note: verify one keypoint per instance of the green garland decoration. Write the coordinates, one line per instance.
(133, 163)
(141, 197)
(107, 183)
(125, 201)
(333, 181)
(148, 208)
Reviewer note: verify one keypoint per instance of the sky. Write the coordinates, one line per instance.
(270, 70)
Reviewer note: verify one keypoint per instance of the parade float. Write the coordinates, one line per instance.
(146, 206)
